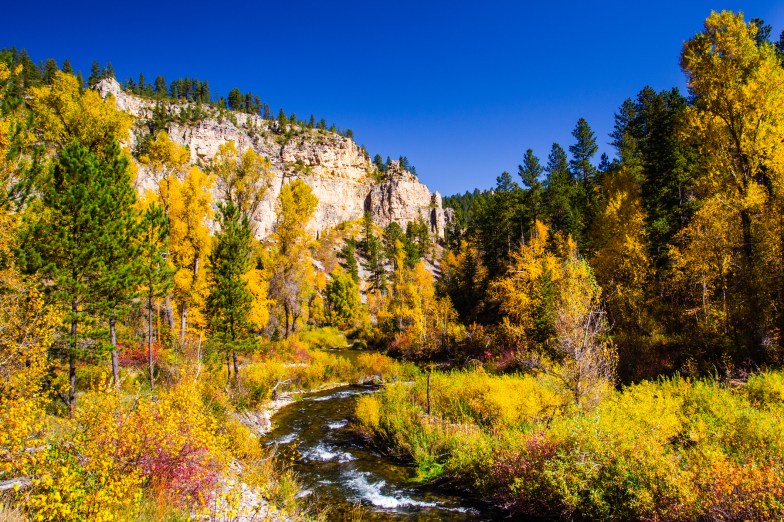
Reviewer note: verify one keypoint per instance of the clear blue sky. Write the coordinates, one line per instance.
(461, 88)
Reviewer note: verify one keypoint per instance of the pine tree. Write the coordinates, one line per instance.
(349, 254)
(62, 243)
(235, 99)
(67, 68)
(95, 74)
(118, 246)
(160, 87)
(560, 194)
(50, 67)
(153, 270)
(229, 302)
(530, 172)
(582, 152)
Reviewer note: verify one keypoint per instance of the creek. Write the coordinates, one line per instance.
(339, 470)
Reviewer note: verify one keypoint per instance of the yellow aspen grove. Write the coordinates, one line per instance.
(166, 161)
(189, 209)
(736, 121)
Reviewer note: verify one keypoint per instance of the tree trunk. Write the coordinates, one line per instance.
(236, 369)
(72, 361)
(755, 315)
(115, 355)
(183, 322)
(149, 340)
(169, 313)
(286, 313)
(228, 369)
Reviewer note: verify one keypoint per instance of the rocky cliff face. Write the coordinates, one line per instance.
(339, 172)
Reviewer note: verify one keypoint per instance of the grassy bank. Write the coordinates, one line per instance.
(667, 450)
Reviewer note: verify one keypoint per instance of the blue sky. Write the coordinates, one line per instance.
(461, 88)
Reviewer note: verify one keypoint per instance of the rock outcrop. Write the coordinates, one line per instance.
(339, 171)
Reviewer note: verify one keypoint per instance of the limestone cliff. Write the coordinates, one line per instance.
(337, 169)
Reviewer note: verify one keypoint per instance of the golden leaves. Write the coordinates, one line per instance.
(64, 114)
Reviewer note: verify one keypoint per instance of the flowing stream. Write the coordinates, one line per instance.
(339, 470)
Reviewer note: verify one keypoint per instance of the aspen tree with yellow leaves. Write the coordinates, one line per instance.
(291, 267)
(243, 179)
(621, 258)
(64, 113)
(725, 259)
(167, 162)
(190, 206)
(552, 311)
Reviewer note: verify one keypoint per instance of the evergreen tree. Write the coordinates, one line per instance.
(154, 272)
(229, 302)
(373, 254)
(582, 152)
(393, 237)
(49, 68)
(160, 87)
(62, 243)
(67, 68)
(530, 172)
(235, 99)
(95, 74)
(499, 223)
(349, 254)
(560, 194)
(118, 247)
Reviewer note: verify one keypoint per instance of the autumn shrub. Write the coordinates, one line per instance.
(666, 450)
(766, 388)
(374, 364)
(115, 448)
(136, 355)
(324, 337)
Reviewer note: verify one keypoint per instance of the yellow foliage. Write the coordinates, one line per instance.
(166, 161)
(103, 458)
(242, 179)
(258, 285)
(65, 113)
(520, 292)
(26, 331)
(621, 260)
(189, 242)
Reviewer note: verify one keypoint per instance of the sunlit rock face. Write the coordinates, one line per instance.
(337, 169)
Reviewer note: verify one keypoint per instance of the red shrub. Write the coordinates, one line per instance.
(136, 356)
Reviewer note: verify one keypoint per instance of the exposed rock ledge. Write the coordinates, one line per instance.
(336, 168)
